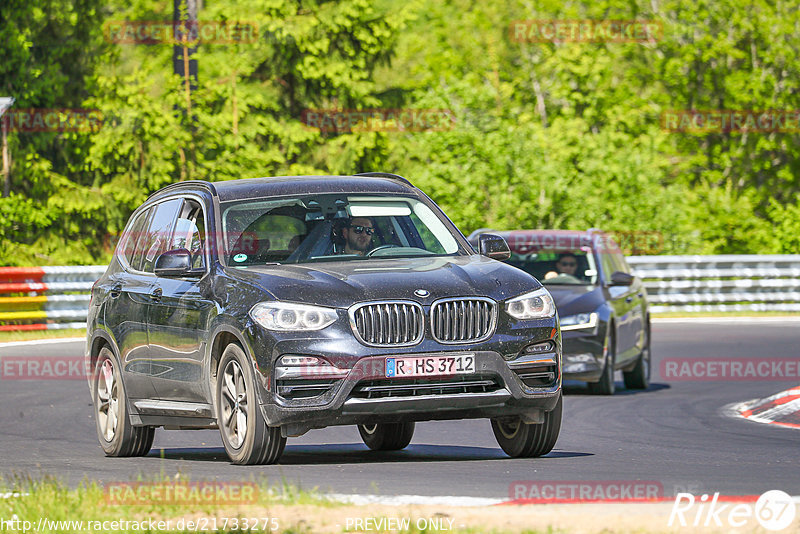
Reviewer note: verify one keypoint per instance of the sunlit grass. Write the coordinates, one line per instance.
(28, 335)
(298, 511)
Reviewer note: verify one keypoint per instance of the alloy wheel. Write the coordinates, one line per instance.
(234, 404)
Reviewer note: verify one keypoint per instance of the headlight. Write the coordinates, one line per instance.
(288, 317)
(579, 321)
(534, 305)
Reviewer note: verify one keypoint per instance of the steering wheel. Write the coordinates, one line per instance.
(382, 247)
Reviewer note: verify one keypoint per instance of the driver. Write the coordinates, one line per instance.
(358, 236)
(567, 264)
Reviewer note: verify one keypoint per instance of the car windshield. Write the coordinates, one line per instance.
(559, 267)
(332, 227)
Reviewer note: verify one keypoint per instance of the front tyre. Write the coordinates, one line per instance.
(387, 436)
(639, 376)
(521, 440)
(606, 386)
(114, 430)
(245, 434)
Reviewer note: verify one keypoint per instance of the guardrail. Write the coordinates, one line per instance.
(748, 282)
(45, 298)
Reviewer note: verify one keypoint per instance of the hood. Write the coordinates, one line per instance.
(343, 283)
(572, 299)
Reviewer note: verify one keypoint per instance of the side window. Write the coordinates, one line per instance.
(138, 241)
(159, 232)
(609, 265)
(622, 265)
(127, 246)
(611, 258)
(190, 233)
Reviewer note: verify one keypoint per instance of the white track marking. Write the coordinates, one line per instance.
(725, 320)
(43, 341)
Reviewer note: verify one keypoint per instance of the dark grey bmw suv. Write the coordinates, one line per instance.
(268, 307)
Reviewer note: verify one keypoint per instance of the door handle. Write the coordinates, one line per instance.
(155, 296)
(629, 300)
(116, 291)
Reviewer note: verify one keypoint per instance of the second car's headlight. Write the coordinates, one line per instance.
(288, 317)
(579, 321)
(534, 305)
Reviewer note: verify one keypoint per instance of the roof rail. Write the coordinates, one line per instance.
(385, 175)
(203, 183)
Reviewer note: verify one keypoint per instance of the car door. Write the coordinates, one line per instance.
(638, 305)
(125, 311)
(179, 314)
(622, 301)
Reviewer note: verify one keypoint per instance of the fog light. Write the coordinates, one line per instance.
(579, 358)
(539, 348)
(291, 366)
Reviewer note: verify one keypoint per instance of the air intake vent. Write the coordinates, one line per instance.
(460, 320)
(388, 324)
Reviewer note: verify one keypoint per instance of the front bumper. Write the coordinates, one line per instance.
(584, 356)
(342, 405)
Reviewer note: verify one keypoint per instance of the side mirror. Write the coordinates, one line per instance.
(177, 262)
(618, 278)
(494, 246)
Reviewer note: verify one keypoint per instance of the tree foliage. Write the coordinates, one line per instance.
(545, 135)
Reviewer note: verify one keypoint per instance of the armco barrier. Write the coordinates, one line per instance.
(39, 298)
(725, 283)
(45, 298)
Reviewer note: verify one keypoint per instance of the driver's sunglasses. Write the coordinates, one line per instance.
(568, 264)
(361, 229)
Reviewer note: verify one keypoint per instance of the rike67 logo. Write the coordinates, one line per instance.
(774, 510)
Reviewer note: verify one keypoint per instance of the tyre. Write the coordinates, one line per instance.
(639, 376)
(114, 430)
(521, 440)
(245, 435)
(605, 386)
(387, 436)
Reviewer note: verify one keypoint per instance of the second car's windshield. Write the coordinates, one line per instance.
(331, 228)
(562, 267)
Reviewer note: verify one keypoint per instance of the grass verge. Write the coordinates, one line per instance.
(30, 335)
(157, 504)
(49, 506)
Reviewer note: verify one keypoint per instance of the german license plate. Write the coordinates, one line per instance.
(430, 366)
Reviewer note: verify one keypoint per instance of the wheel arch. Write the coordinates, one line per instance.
(100, 339)
(223, 335)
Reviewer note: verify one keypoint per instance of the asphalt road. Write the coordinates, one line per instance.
(673, 433)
